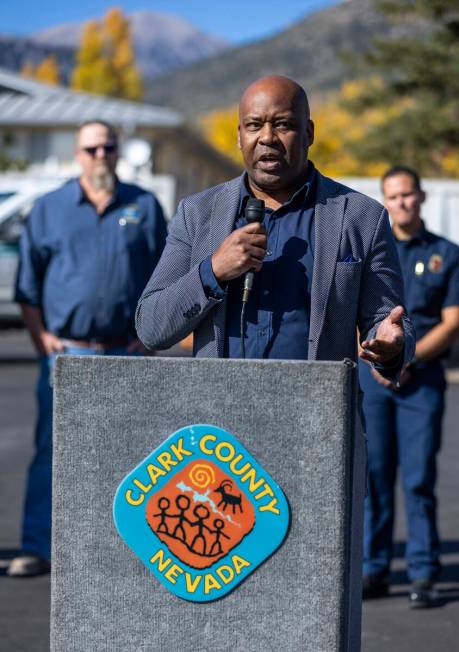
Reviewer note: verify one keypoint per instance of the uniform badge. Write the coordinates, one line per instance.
(201, 513)
(419, 268)
(131, 215)
(435, 263)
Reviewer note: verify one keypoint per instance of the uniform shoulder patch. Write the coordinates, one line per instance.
(435, 263)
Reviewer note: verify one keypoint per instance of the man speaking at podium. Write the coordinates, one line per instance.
(323, 255)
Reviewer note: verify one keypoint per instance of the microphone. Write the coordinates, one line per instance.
(254, 212)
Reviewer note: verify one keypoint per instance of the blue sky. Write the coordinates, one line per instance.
(235, 20)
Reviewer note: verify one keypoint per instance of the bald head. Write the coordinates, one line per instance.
(274, 85)
(275, 132)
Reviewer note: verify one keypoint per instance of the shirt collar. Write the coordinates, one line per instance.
(79, 196)
(77, 191)
(422, 236)
(305, 192)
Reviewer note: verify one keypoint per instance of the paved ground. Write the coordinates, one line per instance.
(388, 625)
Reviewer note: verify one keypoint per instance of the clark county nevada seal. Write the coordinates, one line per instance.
(201, 513)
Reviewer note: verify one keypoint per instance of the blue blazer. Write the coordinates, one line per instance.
(344, 295)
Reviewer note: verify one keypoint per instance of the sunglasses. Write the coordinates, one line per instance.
(109, 148)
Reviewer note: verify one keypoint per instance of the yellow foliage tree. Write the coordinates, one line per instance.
(116, 26)
(220, 129)
(105, 60)
(449, 165)
(338, 131)
(121, 54)
(93, 72)
(28, 70)
(344, 137)
(48, 71)
(335, 127)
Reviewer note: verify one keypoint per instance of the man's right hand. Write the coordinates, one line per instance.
(240, 252)
(50, 343)
(44, 341)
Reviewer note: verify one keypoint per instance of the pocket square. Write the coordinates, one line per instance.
(350, 259)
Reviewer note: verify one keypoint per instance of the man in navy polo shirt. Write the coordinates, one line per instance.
(404, 424)
(87, 251)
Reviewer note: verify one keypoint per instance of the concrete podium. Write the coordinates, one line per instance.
(297, 419)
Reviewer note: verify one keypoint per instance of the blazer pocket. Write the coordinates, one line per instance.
(354, 261)
(345, 267)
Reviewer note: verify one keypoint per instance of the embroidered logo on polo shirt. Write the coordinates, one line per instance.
(201, 513)
(131, 214)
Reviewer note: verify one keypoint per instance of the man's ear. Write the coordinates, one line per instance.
(310, 132)
(239, 136)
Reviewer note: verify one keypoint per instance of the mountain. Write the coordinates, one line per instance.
(161, 43)
(311, 52)
(195, 72)
(15, 51)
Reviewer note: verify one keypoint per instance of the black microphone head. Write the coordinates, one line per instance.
(254, 210)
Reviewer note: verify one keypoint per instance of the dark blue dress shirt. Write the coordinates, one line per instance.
(278, 311)
(430, 270)
(87, 271)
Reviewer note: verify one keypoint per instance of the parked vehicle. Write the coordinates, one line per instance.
(18, 192)
(17, 196)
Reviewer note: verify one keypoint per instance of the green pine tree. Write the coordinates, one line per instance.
(420, 75)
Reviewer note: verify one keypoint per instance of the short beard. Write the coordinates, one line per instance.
(103, 179)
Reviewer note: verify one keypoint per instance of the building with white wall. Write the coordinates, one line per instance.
(38, 124)
(440, 211)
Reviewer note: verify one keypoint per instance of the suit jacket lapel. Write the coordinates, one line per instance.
(222, 219)
(328, 222)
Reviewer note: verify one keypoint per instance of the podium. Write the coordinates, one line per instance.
(297, 419)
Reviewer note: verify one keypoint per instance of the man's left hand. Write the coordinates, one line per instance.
(389, 340)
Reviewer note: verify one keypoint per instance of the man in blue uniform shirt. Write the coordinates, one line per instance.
(404, 424)
(87, 251)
